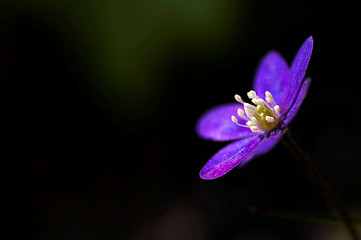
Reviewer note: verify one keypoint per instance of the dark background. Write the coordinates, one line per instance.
(98, 105)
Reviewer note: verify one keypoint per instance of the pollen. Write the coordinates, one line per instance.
(261, 116)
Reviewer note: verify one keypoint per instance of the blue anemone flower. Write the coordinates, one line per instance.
(257, 127)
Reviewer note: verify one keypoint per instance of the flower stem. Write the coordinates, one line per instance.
(321, 182)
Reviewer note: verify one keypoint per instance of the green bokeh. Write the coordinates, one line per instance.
(124, 46)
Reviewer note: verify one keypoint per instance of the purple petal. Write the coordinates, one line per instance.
(217, 125)
(272, 76)
(301, 96)
(229, 157)
(297, 72)
(267, 144)
(263, 147)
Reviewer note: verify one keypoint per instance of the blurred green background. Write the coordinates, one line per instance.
(124, 47)
(99, 100)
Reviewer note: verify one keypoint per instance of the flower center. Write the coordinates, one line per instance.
(262, 116)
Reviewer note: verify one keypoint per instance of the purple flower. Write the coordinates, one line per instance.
(277, 96)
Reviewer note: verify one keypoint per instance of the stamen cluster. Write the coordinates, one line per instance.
(262, 116)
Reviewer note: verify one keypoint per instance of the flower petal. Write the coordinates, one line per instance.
(297, 72)
(217, 125)
(266, 145)
(229, 157)
(272, 76)
(301, 96)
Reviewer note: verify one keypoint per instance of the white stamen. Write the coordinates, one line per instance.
(270, 101)
(270, 119)
(250, 123)
(263, 116)
(258, 111)
(269, 98)
(254, 129)
(252, 94)
(258, 124)
(277, 109)
(238, 99)
(250, 109)
(268, 94)
(235, 120)
(260, 101)
(250, 106)
(241, 114)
